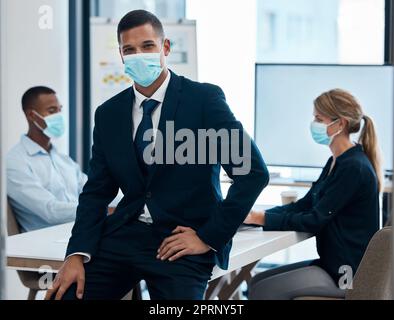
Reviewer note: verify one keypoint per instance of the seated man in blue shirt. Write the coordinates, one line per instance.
(43, 185)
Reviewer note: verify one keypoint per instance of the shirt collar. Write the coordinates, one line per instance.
(33, 148)
(159, 95)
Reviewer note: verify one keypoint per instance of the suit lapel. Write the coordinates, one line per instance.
(168, 111)
(127, 129)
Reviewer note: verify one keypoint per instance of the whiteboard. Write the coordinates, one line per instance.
(107, 71)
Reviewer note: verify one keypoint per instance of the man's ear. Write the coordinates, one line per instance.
(30, 115)
(167, 47)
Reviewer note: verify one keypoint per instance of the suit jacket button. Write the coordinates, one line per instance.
(148, 195)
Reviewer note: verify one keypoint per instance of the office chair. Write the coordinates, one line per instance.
(373, 279)
(29, 279)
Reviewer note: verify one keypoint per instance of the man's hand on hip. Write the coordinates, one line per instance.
(71, 272)
(183, 242)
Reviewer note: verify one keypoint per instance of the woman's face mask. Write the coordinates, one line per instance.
(319, 132)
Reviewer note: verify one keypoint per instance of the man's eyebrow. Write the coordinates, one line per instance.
(126, 46)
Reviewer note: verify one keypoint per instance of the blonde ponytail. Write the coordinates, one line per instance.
(369, 140)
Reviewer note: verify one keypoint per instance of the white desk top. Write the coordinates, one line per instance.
(45, 244)
(289, 182)
(50, 245)
(254, 244)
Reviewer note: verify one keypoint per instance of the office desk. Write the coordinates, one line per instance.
(285, 182)
(249, 247)
(385, 196)
(45, 249)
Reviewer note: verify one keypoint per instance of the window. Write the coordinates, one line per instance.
(268, 29)
(164, 9)
(324, 31)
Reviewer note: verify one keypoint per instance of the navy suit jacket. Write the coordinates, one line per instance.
(176, 195)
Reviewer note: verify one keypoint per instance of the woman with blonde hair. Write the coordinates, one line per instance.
(341, 209)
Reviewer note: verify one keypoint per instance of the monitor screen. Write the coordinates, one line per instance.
(284, 108)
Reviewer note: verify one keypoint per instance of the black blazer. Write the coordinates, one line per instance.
(341, 209)
(187, 195)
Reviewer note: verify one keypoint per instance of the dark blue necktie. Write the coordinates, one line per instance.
(148, 107)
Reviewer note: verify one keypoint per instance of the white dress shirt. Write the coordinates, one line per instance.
(43, 187)
(159, 96)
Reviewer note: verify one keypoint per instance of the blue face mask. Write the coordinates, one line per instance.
(319, 133)
(55, 125)
(143, 68)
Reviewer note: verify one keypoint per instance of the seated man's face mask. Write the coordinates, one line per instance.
(55, 125)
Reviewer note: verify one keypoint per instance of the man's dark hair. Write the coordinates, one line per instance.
(30, 97)
(139, 18)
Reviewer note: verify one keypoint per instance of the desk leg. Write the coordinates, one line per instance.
(214, 287)
(135, 294)
(226, 286)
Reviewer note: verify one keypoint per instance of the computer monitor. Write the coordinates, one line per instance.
(284, 108)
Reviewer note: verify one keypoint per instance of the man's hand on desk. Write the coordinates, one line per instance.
(71, 272)
(183, 242)
(256, 217)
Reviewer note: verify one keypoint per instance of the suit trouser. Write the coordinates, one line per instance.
(128, 255)
(295, 280)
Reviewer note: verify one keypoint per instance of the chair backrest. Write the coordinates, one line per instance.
(373, 279)
(12, 224)
(389, 222)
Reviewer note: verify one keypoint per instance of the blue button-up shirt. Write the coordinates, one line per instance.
(43, 187)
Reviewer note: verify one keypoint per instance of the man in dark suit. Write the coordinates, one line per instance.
(172, 226)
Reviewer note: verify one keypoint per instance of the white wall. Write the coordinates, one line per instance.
(32, 56)
(361, 36)
(226, 41)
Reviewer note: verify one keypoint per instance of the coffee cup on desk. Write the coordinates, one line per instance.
(289, 197)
